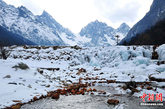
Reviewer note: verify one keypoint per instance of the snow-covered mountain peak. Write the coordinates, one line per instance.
(47, 15)
(124, 25)
(24, 12)
(101, 34)
(45, 30)
(47, 19)
(24, 23)
(99, 24)
(122, 30)
(24, 9)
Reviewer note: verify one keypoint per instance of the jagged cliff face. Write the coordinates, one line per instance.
(156, 13)
(42, 30)
(96, 31)
(52, 23)
(103, 35)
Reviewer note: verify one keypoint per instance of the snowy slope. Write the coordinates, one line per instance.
(119, 63)
(48, 20)
(77, 40)
(9, 38)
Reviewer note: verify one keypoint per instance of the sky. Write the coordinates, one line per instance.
(76, 14)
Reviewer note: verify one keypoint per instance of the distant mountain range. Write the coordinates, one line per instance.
(103, 35)
(142, 32)
(20, 26)
(41, 30)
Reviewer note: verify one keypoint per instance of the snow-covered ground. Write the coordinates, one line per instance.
(120, 63)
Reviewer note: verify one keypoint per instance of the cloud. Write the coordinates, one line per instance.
(13, 2)
(118, 11)
(126, 12)
(32, 5)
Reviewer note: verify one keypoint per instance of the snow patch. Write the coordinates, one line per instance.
(161, 52)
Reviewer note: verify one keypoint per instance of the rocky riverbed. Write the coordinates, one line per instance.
(126, 101)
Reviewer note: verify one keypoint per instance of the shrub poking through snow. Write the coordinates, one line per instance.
(76, 47)
(154, 53)
(55, 47)
(4, 53)
(7, 76)
(21, 66)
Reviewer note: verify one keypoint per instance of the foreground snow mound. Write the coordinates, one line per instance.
(54, 67)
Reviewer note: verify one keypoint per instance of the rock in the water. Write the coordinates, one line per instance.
(149, 88)
(35, 98)
(18, 106)
(113, 102)
(56, 96)
(7, 76)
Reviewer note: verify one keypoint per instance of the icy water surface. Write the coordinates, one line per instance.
(87, 102)
(90, 102)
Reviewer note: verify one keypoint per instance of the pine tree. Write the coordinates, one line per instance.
(117, 36)
(4, 53)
